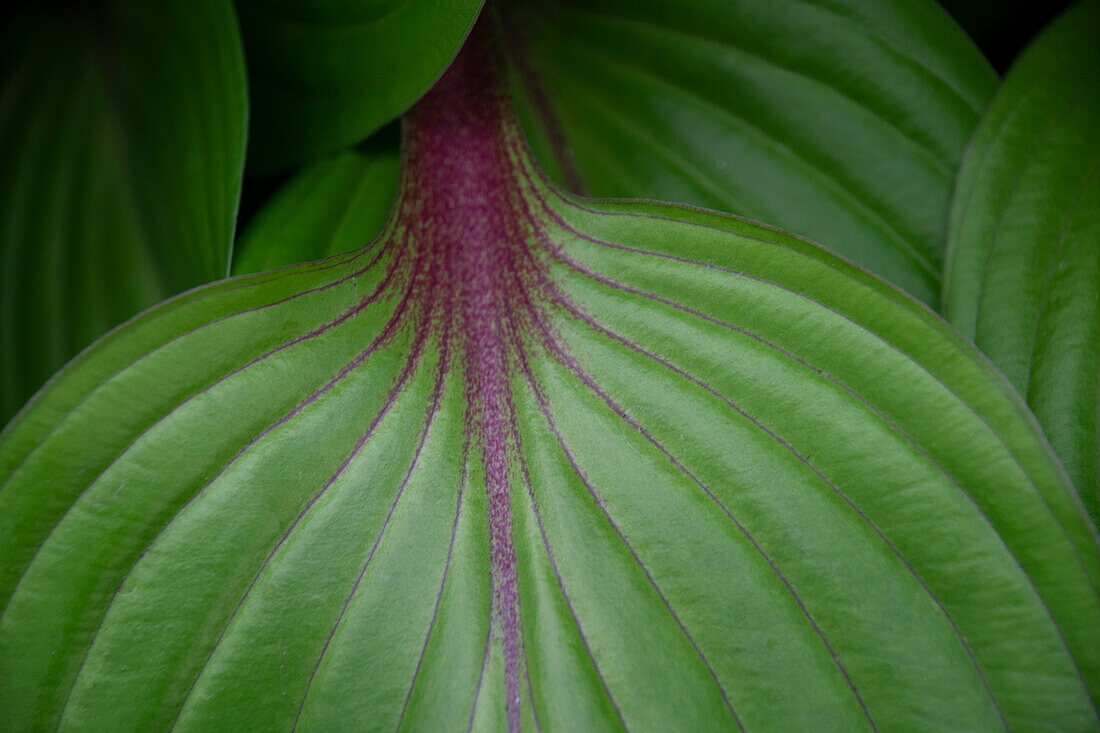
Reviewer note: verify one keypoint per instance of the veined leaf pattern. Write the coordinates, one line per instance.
(844, 121)
(532, 461)
(1023, 266)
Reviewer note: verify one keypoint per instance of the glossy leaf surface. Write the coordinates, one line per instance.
(122, 131)
(332, 206)
(531, 461)
(325, 74)
(1024, 268)
(841, 120)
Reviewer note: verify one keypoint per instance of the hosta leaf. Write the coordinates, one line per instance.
(325, 74)
(1023, 273)
(842, 120)
(332, 206)
(533, 461)
(122, 130)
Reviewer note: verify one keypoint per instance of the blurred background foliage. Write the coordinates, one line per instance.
(123, 129)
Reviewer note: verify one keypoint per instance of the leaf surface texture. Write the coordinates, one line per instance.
(1023, 271)
(842, 120)
(122, 132)
(533, 461)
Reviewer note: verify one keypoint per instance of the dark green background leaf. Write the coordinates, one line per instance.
(1023, 274)
(841, 120)
(325, 74)
(332, 206)
(530, 459)
(122, 133)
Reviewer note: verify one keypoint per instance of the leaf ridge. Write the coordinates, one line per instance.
(347, 369)
(828, 179)
(922, 311)
(200, 294)
(559, 253)
(432, 410)
(481, 675)
(962, 200)
(570, 363)
(921, 147)
(888, 45)
(1019, 177)
(442, 582)
(402, 379)
(598, 500)
(891, 291)
(589, 320)
(526, 474)
(367, 300)
(1052, 261)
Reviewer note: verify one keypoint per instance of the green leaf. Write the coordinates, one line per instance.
(122, 132)
(333, 206)
(1023, 272)
(534, 461)
(325, 74)
(842, 120)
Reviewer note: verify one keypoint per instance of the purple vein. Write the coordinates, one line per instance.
(602, 505)
(580, 314)
(406, 373)
(536, 317)
(569, 363)
(526, 474)
(484, 664)
(559, 253)
(986, 366)
(200, 293)
(363, 303)
(600, 328)
(386, 332)
(429, 418)
(531, 690)
(442, 585)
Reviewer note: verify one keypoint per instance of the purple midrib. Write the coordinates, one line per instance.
(461, 203)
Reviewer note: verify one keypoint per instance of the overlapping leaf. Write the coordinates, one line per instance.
(333, 206)
(842, 120)
(1024, 266)
(325, 74)
(535, 461)
(122, 131)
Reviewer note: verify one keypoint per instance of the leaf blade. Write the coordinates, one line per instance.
(680, 496)
(774, 112)
(327, 75)
(139, 161)
(1022, 262)
(345, 196)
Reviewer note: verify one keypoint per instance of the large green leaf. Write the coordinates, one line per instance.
(534, 461)
(841, 120)
(325, 74)
(1023, 272)
(122, 130)
(332, 206)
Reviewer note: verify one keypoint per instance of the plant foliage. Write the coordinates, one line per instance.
(530, 460)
